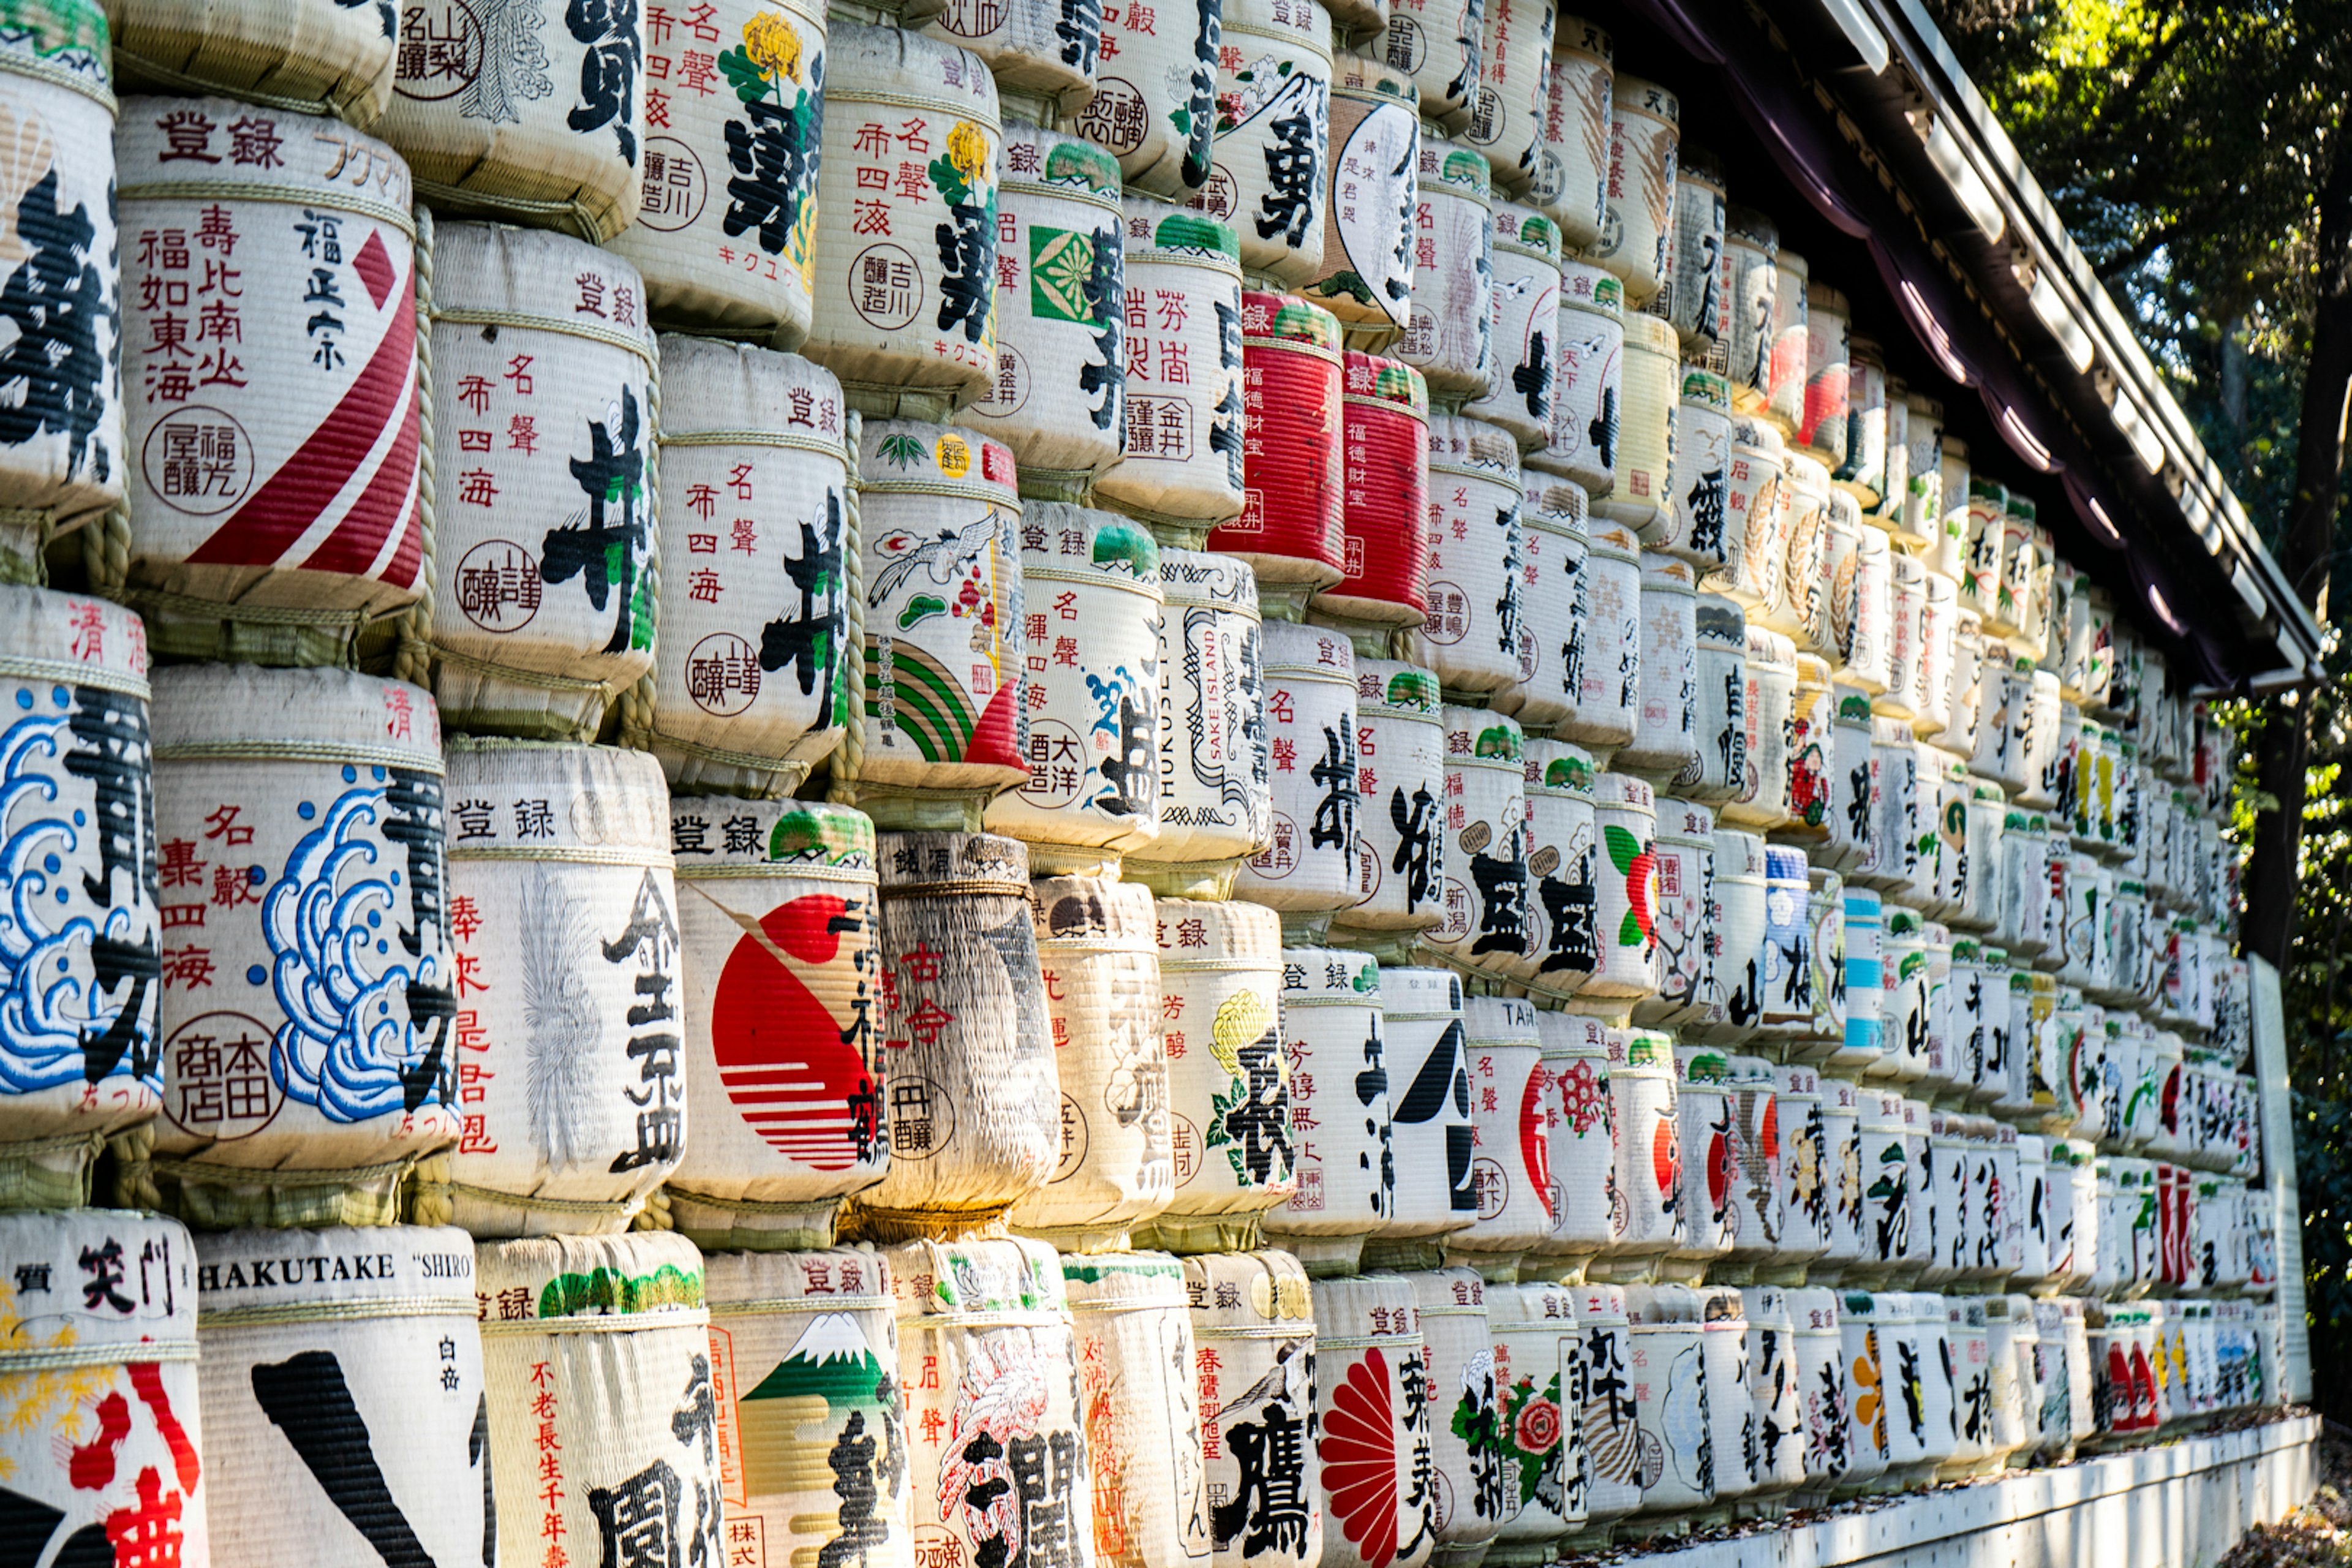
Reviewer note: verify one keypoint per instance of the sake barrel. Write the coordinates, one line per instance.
(1475, 616)
(1365, 276)
(84, 965)
(1401, 838)
(1828, 366)
(1609, 687)
(1384, 504)
(1739, 960)
(1606, 1415)
(1450, 1312)
(1056, 397)
(1571, 178)
(1649, 1203)
(1881, 1390)
(1754, 517)
(1228, 1081)
(1698, 525)
(1269, 174)
(905, 287)
(1863, 473)
(1828, 597)
(1825, 1431)
(1725, 1352)
(1760, 1216)
(2041, 739)
(783, 472)
(1809, 1164)
(1923, 502)
(1825, 908)
(1440, 50)
(1378, 1408)
(1309, 861)
(125, 1354)
(1982, 575)
(1449, 337)
(986, 1352)
(1486, 919)
(1100, 966)
(1886, 1177)
(1643, 497)
(1751, 245)
(62, 454)
(2019, 601)
(336, 1063)
(1590, 384)
(378, 1392)
(564, 512)
(1801, 610)
(1131, 1322)
(1583, 1134)
(1507, 118)
(1965, 684)
(940, 541)
(1637, 236)
(1555, 545)
(1719, 708)
(1214, 805)
(975, 1117)
(1897, 410)
(598, 1351)
(743, 264)
(2004, 732)
(275, 494)
(776, 922)
(1904, 1020)
(1680, 921)
(1865, 637)
(1707, 1116)
(1945, 1247)
(1041, 54)
(1625, 823)
(1254, 1330)
(1842, 1115)
(1906, 605)
(1866, 986)
(1563, 869)
(1541, 1381)
(1429, 1103)
(2065, 649)
(1768, 711)
(1289, 529)
(1784, 389)
(1092, 689)
(1526, 281)
(1183, 399)
(1666, 1364)
(1893, 785)
(1333, 1038)
(1508, 1085)
(1788, 943)
(1667, 740)
(1155, 99)
(1697, 287)
(1931, 702)
(566, 159)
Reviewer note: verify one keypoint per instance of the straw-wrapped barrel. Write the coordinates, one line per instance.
(1400, 785)
(1309, 863)
(1429, 1104)
(1475, 577)
(1526, 258)
(1644, 137)
(777, 918)
(1378, 1411)
(1268, 175)
(1293, 465)
(1185, 416)
(1155, 101)
(1589, 381)
(273, 408)
(1571, 181)
(1255, 1333)
(1439, 48)
(1215, 798)
(548, 545)
(1486, 926)
(1041, 54)
(1384, 507)
(1333, 1036)
(1563, 946)
(1366, 274)
(310, 1026)
(1451, 337)
(1140, 1398)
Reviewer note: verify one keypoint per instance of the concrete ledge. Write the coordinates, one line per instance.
(2179, 1505)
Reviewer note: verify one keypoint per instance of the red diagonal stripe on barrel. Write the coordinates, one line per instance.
(359, 538)
(289, 501)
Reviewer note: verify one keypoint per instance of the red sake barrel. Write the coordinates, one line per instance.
(1289, 528)
(1385, 507)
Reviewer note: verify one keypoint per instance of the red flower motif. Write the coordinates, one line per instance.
(1359, 1459)
(1666, 1157)
(1537, 1427)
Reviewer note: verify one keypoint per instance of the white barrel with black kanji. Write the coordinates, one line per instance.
(1043, 54)
(1090, 581)
(61, 444)
(1666, 1359)
(1057, 395)
(752, 672)
(1472, 638)
(355, 1353)
(1699, 283)
(1681, 932)
(534, 115)
(1526, 258)
(1100, 966)
(1450, 338)
(1767, 712)
(603, 1395)
(1309, 863)
(1400, 835)
(272, 396)
(1608, 692)
(1215, 798)
(1570, 182)
(1255, 1333)
(1268, 172)
(570, 1089)
(548, 541)
(1541, 1381)
(1724, 1348)
(904, 292)
(1440, 50)
(83, 956)
(1365, 276)
(725, 231)
(1429, 1103)
(104, 1347)
(1563, 946)
(1155, 100)
(1554, 550)
(1507, 118)
(313, 1027)
(1334, 1038)
(1739, 953)
(777, 920)
(1666, 739)
(1450, 1312)
(1511, 1129)
(1182, 461)
(1643, 497)
(1590, 380)
(1379, 1488)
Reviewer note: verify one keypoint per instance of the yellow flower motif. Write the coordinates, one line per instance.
(800, 245)
(773, 46)
(1868, 1407)
(968, 151)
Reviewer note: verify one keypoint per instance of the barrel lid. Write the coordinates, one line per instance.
(1527, 231)
(1722, 625)
(1375, 1307)
(1480, 737)
(1279, 322)
(1387, 689)
(1686, 823)
(206, 143)
(1610, 540)
(1390, 383)
(1652, 1304)
(1575, 36)
(890, 65)
(717, 835)
(1706, 1065)
(834, 1279)
(1784, 863)
(1088, 911)
(1197, 579)
(492, 276)
(1623, 792)
(1291, 649)
(1707, 389)
(1314, 976)
(64, 42)
(241, 711)
(715, 389)
(1585, 287)
(1770, 648)
(1079, 543)
(1453, 170)
(652, 1278)
(1652, 334)
(1361, 75)
(603, 800)
(1664, 574)
(1642, 1050)
(998, 1274)
(1808, 474)
(1460, 444)
(73, 639)
(1414, 992)
(91, 1284)
(1738, 855)
(1516, 1308)
(1304, 22)
(912, 454)
(1634, 93)
(986, 862)
(1555, 506)
(1557, 768)
(1497, 1021)
(398, 1269)
(1108, 1281)
(1162, 231)
(1217, 934)
(1241, 1291)
(1048, 161)
(2019, 506)
(1565, 1034)
(1795, 1080)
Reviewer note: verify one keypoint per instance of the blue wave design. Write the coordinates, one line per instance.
(51, 1001)
(347, 1035)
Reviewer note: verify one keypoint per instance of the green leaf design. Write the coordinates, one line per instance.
(1623, 849)
(902, 450)
(1629, 933)
(752, 84)
(949, 182)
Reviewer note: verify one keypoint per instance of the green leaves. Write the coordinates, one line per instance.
(1629, 933)
(1623, 849)
(751, 83)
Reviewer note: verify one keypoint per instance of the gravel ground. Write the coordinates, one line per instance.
(2317, 1535)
